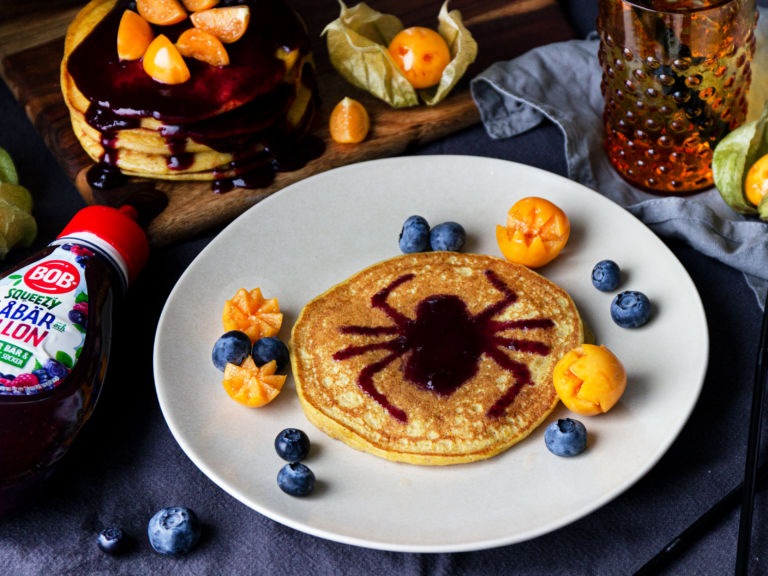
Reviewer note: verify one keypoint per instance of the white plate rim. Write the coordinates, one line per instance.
(398, 547)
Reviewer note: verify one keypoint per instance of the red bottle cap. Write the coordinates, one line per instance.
(119, 229)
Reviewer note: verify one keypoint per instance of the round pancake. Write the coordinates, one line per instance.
(145, 151)
(148, 139)
(342, 341)
(209, 165)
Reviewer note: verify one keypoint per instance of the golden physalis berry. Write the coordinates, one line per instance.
(227, 24)
(589, 380)
(349, 122)
(249, 312)
(163, 62)
(536, 232)
(133, 36)
(161, 12)
(196, 5)
(421, 54)
(756, 184)
(201, 45)
(250, 385)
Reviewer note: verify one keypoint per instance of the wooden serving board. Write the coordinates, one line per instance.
(31, 49)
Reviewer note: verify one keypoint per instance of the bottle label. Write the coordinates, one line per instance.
(43, 318)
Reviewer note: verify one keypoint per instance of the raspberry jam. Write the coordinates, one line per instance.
(444, 343)
(56, 313)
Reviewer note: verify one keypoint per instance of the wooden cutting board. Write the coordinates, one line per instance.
(31, 49)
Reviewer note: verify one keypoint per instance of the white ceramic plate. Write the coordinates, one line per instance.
(316, 233)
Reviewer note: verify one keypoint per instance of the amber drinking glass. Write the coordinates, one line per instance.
(675, 81)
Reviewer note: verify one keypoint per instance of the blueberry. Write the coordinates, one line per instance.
(233, 347)
(296, 479)
(631, 309)
(9, 377)
(174, 531)
(82, 260)
(566, 437)
(606, 276)
(55, 368)
(268, 349)
(66, 247)
(292, 445)
(42, 375)
(77, 317)
(112, 540)
(448, 236)
(415, 235)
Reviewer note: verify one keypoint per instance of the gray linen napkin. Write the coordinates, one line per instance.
(561, 82)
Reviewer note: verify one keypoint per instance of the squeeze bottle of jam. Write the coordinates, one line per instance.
(55, 333)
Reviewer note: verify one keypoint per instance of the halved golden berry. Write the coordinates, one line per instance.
(250, 385)
(349, 122)
(133, 36)
(163, 62)
(161, 12)
(195, 5)
(201, 45)
(227, 24)
(249, 312)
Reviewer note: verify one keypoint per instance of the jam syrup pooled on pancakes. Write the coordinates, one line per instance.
(443, 344)
(227, 108)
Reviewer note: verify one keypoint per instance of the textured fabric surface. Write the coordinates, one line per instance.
(561, 82)
(125, 464)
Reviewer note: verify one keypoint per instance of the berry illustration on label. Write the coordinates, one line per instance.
(43, 321)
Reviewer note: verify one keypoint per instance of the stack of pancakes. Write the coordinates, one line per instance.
(373, 325)
(222, 122)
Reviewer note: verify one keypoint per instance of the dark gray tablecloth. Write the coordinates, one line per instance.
(125, 464)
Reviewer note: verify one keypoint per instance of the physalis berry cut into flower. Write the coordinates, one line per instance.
(589, 380)
(250, 385)
(251, 313)
(536, 232)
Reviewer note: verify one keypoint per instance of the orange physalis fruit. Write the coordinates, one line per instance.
(133, 36)
(349, 122)
(227, 24)
(589, 380)
(249, 312)
(161, 12)
(756, 183)
(163, 62)
(421, 54)
(536, 232)
(195, 5)
(250, 385)
(200, 45)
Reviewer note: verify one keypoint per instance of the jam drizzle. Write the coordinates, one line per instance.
(237, 109)
(444, 344)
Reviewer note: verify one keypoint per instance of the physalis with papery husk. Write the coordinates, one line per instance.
(375, 52)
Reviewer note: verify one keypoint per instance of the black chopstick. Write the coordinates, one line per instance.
(690, 534)
(754, 474)
(753, 448)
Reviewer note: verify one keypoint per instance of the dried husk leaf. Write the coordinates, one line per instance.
(16, 227)
(733, 158)
(8, 173)
(463, 52)
(762, 208)
(357, 46)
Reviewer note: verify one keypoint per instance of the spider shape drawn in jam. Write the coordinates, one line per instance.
(444, 344)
